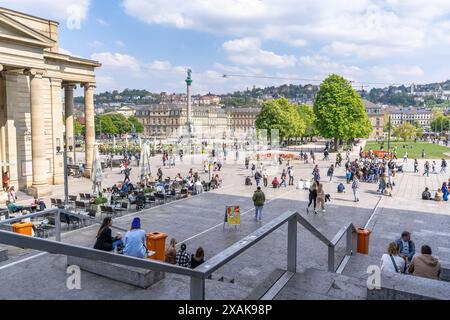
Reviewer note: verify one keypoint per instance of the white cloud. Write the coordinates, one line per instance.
(120, 43)
(117, 61)
(247, 51)
(96, 44)
(50, 9)
(102, 22)
(394, 25)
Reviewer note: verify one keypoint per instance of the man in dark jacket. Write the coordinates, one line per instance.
(406, 246)
(259, 199)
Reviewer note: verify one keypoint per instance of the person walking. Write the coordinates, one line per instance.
(283, 179)
(265, 178)
(321, 197)
(259, 199)
(355, 186)
(312, 197)
(405, 158)
(443, 166)
(416, 166)
(258, 177)
(426, 169)
(291, 176)
(330, 172)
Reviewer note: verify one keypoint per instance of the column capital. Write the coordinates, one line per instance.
(38, 73)
(88, 85)
(70, 86)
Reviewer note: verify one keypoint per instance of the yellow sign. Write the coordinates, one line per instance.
(233, 215)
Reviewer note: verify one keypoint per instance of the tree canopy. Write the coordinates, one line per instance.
(117, 124)
(440, 123)
(339, 110)
(405, 131)
(280, 114)
(308, 116)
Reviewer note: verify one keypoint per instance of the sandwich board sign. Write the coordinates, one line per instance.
(232, 216)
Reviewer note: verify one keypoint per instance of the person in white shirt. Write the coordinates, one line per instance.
(12, 195)
(391, 262)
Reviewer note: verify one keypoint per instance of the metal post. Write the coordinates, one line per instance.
(349, 241)
(331, 259)
(389, 135)
(58, 226)
(66, 180)
(197, 288)
(292, 245)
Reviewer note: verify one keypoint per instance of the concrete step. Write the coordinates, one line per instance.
(358, 264)
(314, 284)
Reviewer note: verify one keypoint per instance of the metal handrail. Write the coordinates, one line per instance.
(199, 275)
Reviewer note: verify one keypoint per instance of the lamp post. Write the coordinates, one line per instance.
(389, 135)
(66, 180)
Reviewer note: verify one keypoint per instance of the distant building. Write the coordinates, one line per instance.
(400, 115)
(167, 120)
(209, 100)
(126, 111)
(377, 117)
(242, 119)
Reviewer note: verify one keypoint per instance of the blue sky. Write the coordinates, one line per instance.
(148, 44)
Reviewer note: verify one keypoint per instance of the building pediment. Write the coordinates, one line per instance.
(14, 31)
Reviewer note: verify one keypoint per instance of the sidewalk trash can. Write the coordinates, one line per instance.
(25, 228)
(156, 241)
(363, 240)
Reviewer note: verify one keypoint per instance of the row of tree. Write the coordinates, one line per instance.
(117, 124)
(338, 114)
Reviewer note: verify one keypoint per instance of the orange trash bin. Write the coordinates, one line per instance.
(25, 228)
(156, 241)
(363, 240)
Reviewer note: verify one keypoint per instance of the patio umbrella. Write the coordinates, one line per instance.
(144, 163)
(97, 173)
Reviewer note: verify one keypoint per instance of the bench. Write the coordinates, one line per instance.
(137, 277)
(407, 287)
(3, 255)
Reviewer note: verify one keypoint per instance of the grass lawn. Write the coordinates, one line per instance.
(414, 149)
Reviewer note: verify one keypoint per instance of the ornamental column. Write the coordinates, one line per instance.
(70, 125)
(39, 163)
(90, 126)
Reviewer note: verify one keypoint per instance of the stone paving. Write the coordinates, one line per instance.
(198, 221)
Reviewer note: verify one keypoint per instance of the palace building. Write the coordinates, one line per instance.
(34, 80)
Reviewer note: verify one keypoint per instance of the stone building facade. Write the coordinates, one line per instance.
(34, 80)
(377, 116)
(163, 121)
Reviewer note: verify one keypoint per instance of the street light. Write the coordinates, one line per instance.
(66, 181)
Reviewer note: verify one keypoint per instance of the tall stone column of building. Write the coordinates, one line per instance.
(57, 131)
(39, 163)
(70, 121)
(189, 102)
(90, 126)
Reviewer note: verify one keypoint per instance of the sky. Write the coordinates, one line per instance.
(149, 44)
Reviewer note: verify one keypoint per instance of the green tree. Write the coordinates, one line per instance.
(138, 126)
(308, 116)
(280, 114)
(440, 123)
(340, 112)
(122, 124)
(405, 131)
(78, 128)
(104, 124)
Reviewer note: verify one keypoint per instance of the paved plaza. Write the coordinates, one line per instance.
(198, 221)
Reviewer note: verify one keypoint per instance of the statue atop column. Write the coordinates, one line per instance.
(189, 124)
